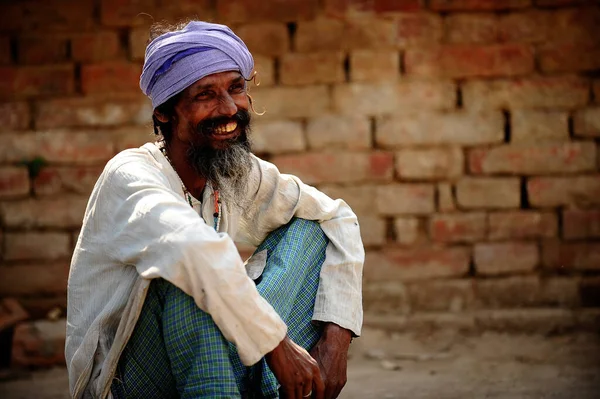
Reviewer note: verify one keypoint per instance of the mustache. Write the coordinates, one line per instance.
(208, 126)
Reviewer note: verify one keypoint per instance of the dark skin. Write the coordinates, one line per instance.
(322, 372)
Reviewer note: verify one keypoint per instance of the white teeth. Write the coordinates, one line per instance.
(228, 128)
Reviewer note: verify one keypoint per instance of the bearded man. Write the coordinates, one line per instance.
(160, 304)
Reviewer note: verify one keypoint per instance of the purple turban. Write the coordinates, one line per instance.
(177, 59)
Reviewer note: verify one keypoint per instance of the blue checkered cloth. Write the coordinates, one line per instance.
(177, 350)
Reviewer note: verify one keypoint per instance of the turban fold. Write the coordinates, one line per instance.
(177, 59)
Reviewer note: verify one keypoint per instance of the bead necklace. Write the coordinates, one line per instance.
(186, 193)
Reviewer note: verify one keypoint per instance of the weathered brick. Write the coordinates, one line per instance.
(93, 111)
(471, 28)
(291, 102)
(14, 116)
(522, 224)
(571, 256)
(488, 193)
(268, 39)
(42, 279)
(63, 212)
(39, 344)
(417, 29)
(382, 99)
(339, 167)
(97, 46)
(5, 51)
(385, 298)
(586, 122)
(505, 257)
(596, 91)
(312, 68)
(545, 92)
(18, 147)
(59, 180)
(35, 81)
(416, 263)
(319, 35)
(534, 159)
(507, 292)
(405, 199)
(577, 191)
(369, 33)
(332, 131)
(539, 125)
(265, 70)
(126, 13)
(468, 5)
(14, 181)
(430, 163)
(276, 137)
(138, 39)
(63, 147)
(110, 77)
(459, 227)
(569, 57)
(409, 231)
(445, 198)
(35, 245)
(558, 3)
(340, 8)
(45, 49)
(382, 65)
(577, 224)
(183, 10)
(47, 16)
(576, 25)
(436, 128)
(590, 291)
(250, 10)
(441, 296)
(372, 230)
(542, 322)
(459, 61)
(531, 26)
(132, 137)
(559, 291)
(361, 198)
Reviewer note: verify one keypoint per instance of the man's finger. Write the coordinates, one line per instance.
(318, 385)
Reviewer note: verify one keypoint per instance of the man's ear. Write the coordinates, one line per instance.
(160, 116)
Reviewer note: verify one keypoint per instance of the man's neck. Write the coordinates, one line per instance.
(177, 153)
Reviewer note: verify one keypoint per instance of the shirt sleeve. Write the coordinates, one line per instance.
(275, 199)
(157, 232)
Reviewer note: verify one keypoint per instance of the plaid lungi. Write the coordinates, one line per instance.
(176, 349)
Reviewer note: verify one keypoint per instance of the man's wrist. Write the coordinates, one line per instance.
(333, 332)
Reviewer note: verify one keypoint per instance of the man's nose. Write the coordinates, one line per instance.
(227, 106)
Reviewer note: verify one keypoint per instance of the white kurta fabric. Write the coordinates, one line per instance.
(138, 226)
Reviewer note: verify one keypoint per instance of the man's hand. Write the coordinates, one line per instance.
(297, 372)
(331, 352)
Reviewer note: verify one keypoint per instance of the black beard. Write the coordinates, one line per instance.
(225, 168)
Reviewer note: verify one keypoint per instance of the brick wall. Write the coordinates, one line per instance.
(464, 133)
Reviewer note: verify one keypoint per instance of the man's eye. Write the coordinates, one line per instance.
(237, 88)
(203, 95)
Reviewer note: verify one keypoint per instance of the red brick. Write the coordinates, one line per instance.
(265, 70)
(360, 198)
(596, 91)
(276, 137)
(575, 256)
(405, 199)
(409, 231)
(559, 291)
(532, 26)
(417, 29)
(445, 198)
(372, 230)
(14, 181)
(569, 57)
(458, 61)
(250, 10)
(110, 77)
(313, 68)
(468, 5)
(382, 65)
(522, 224)
(590, 291)
(34, 279)
(339, 167)
(14, 116)
(39, 344)
(183, 10)
(93, 47)
(459, 227)
(42, 49)
(291, 102)
(576, 25)
(63, 212)
(438, 128)
(508, 292)
(331, 131)
(34, 81)
(416, 264)
(319, 35)
(471, 28)
(532, 159)
(578, 191)
(578, 224)
(126, 13)
(385, 98)
(340, 8)
(266, 39)
(535, 126)
(488, 193)
(586, 122)
(50, 15)
(5, 51)
(59, 180)
(429, 163)
(544, 92)
(138, 39)
(505, 257)
(93, 111)
(65, 147)
(35, 245)
(132, 137)
(441, 296)
(18, 147)
(559, 3)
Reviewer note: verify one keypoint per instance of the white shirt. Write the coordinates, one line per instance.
(138, 226)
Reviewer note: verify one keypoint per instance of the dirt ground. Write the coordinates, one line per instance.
(441, 365)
